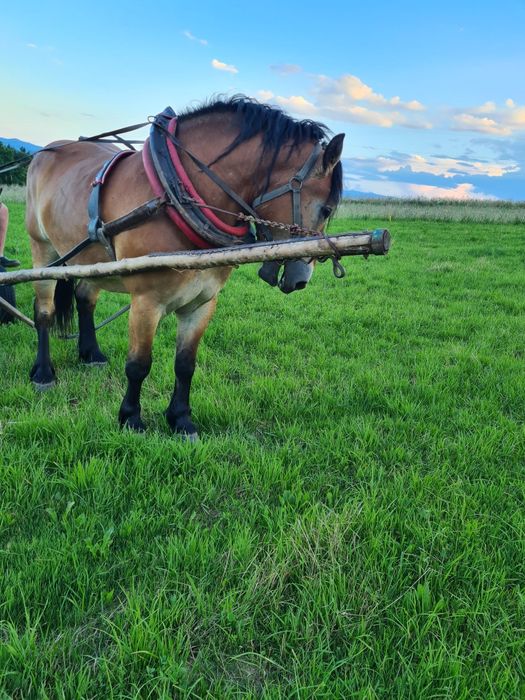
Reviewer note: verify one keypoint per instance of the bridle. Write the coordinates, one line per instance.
(294, 185)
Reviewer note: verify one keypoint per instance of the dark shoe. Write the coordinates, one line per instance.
(9, 262)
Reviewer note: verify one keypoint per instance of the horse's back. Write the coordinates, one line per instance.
(58, 185)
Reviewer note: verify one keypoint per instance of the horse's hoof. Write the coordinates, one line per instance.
(96, 358)
(134, 424)
(44, 386)
(188, 437)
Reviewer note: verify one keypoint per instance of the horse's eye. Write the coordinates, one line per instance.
(326, 211)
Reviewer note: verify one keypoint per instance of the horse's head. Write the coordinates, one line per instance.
(288, 171)
(304, 190)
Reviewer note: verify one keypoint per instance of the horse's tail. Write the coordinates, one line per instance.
(7, 292)
(64, 295)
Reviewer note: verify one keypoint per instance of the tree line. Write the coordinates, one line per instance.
(18, 175)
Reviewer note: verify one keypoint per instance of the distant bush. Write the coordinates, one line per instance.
(18, 175)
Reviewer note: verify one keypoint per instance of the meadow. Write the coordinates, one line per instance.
(351, 523)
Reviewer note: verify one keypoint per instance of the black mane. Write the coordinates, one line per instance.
(276, 127)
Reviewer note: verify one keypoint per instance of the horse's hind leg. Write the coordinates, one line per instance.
(88, 350)
(43, 373)
(53, 304)
(190, 328)
(144, 318)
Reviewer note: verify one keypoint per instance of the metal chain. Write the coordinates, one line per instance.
(293, 229)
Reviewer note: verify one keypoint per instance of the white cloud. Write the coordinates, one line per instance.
(219, 65)
(363, 115)
(445, 167)
(350, 89)
(191, 37)
(358, 114)
(389, 188)
(32, 46)
(503, 121)
(349, 99)
(265, 95)
(517, 117)
(485, 125)
(297, 103)
(487, 108)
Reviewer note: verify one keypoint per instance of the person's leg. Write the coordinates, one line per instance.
(4, 221)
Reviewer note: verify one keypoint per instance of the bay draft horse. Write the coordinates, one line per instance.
(253, 147)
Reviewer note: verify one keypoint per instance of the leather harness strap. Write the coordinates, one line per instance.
(95, 225)
(164, 122)
(211, 229)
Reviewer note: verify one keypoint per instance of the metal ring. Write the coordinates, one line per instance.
(295, 179)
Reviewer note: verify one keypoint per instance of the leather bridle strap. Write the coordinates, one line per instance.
(294, 185)
(124, 130)
(205, 169)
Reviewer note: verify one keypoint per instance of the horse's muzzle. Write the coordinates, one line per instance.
(296, 275)
(269, 272)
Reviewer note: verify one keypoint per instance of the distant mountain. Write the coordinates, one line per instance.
(356, 194)
(17, 143)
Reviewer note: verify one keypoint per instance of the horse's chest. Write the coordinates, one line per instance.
(197, 289)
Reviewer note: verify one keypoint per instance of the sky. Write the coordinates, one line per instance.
(431, 96)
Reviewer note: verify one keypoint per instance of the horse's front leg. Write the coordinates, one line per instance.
(144, 318)
(190, 328)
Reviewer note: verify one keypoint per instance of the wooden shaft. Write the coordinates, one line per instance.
(15, 312)
(361, 243)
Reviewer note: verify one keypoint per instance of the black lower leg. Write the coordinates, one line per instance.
(88, 349)
(178, 413)
(42, 373)
(129, 413)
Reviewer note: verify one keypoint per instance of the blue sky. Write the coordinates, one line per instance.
(431, 96)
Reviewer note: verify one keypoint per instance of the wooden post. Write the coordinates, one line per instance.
(361, 243)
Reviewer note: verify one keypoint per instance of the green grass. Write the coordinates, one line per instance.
(351, 524)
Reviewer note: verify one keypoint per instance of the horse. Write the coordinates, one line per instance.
(252, 147)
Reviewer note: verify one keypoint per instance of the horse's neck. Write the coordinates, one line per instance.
(207, 138)
(243, 170)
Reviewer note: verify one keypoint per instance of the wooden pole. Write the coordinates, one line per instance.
(361, 243)
(15, 312)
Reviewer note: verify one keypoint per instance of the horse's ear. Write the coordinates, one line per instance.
(332, 153)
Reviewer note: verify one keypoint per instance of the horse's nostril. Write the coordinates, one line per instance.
(300, 285)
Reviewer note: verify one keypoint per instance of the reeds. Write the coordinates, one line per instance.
(473, 210)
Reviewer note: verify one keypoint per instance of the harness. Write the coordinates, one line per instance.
(175, 192)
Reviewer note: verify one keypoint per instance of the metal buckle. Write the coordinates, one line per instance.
(298, 180)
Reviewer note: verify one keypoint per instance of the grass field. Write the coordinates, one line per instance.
(351, 524)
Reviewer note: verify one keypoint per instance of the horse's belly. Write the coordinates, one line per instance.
(175, 290)
(111, 284)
